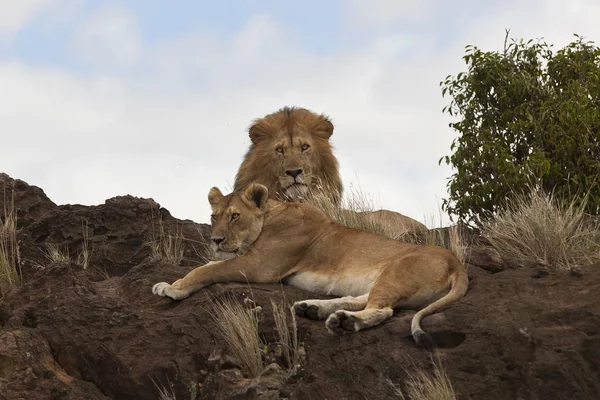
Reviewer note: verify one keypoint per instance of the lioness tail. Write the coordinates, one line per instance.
(459, 284)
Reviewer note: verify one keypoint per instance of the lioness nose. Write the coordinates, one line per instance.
(293, 172)
(217, 239)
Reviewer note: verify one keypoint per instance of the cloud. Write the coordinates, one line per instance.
(383, 13)
(14, 15)
(110, 37)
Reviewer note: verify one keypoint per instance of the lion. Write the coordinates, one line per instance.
(291, 155)
(261, 240)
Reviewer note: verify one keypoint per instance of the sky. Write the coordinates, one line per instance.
(153, 98)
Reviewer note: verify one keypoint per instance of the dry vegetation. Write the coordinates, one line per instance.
(165, 246)
(165, 392)
(539, 228)
(10, 269)
(54, 253)
(288, 338)
(202, 248)
(83, 258)
(421, 385)
(348, 213)
(238, 326)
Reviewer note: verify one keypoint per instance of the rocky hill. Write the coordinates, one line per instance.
(90, 328)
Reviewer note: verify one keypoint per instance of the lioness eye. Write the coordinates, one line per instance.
(235, 216)
(213, 218)
(305, 147)
(279, 149)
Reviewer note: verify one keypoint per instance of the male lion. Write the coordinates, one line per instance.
(291, 155)
(265, 241)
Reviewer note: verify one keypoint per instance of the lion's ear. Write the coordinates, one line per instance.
(257, 194)
(257, 131)
(324, 129)
(214, 197)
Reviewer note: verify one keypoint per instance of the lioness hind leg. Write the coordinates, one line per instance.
(343, 321)
(321, 309)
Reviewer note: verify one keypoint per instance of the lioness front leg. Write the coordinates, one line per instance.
(321, 309)
(239, 269)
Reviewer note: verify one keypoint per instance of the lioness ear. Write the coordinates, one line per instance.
(257, 131)
(214, 197)
(257, 194)
(324, 129)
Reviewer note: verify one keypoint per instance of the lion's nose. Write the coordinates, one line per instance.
(293, 172)
(217, 239)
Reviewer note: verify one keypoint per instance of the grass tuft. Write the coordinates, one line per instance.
(288, 338)
(83, 258)
(165, 392)
(356, 212)
(55, 254)
(166, 247)
(421, 385)
(10, 263)
(539, 228)
(238, 326)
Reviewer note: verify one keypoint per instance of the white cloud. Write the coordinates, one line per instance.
(383, 13)
(109, 37)
(183, 130)
(15, 14)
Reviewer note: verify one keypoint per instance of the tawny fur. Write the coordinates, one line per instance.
(289, 129)
(267, 241)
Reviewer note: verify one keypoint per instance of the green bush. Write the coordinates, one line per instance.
(525, 115)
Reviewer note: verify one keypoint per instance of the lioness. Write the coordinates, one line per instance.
(265, 241)
(291, 155)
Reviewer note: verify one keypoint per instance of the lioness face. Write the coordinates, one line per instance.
(290, 141)
(237, 220)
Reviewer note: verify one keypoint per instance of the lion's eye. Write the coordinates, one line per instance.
(279, 149)
(305, 147)
(213, 218)
(235, 216)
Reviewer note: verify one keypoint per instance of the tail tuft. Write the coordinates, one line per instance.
(423, 339)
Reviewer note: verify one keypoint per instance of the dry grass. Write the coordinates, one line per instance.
(421, 385)
(164, 392)
(10, 268)
(541, 229)
(350, 214)
(83, 258)
(166, 247)
(457, 244)
(55, 254)
(288, 338)
(238, 326)
(202, 248)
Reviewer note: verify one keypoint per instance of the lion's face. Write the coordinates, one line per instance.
(237, 220)
(291, 155)
(293, 159)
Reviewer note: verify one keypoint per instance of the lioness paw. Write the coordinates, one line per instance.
(303, 309)
(341, 322)
(164, 289)
(159, 288)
